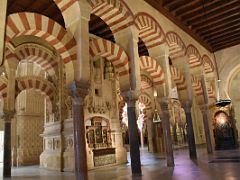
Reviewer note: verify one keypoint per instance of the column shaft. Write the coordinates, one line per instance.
(7, 149)
(167, 133)
(190, 132)
(134, 141)
(150, 134)
(79, 140)
(205, 115)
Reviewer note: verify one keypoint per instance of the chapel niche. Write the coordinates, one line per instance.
(225, 131)
(98, 136)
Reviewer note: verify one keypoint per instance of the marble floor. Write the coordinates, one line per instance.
(222, 165)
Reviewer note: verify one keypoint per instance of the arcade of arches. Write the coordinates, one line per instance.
(82, 81)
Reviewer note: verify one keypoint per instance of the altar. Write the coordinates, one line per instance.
(99, 141)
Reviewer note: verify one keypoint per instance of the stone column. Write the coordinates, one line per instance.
(79, 92)
(150, 134)
(8, 115)
(131, 98)
(205, 114)
(166, 130)
(190, 133)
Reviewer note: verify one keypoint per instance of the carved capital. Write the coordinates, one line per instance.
(8, 115)
(204, 108)
(163, 103)
(187, 105)
(78, 91)
(130, 97)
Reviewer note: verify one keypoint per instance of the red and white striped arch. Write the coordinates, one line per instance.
(178, 78)
(33, 24)
(211, 93)
(36, 83)
(116, 55)
(114, 13)
(37, 54)
(3, 87)
(151, 66)
(146, 100)
(196, 84)
(69, 9)
(150, 31)
(64, 5)
(207, 64)
(146, 82)
(194, 57)
(9, 55)
(177, 48)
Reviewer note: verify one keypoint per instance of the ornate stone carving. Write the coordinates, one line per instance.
(8, 115)
(108, 70)
(131, 97)
(50, 144)
(56, 143)
(98, 105)
(68, 103)
(164, 103)
(69, 143)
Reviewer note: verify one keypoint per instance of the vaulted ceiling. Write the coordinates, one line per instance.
(213, 23)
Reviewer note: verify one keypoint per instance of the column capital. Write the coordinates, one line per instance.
(8, 115)
(187, 105)
(163, 103)
(130, 97)
(78, 91)
(203, 107)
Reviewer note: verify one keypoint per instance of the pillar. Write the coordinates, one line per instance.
(205, 114)
(131, 98)
(8, 112)
(150, 134)
(187, 105)
(79, 92)
(166, 130)
(8, 115)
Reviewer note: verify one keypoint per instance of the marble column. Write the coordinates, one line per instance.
(7, 144)
(205, 114)
(131, 98)
(150, 134)
(78, 94)
(166, 130)
(187, 105)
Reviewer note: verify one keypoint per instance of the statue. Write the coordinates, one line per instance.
(68, 103)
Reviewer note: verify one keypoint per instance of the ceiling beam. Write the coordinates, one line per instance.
(218, 20)
(182, 14)
(223, 12)
(221, 31)
(168, 15)
(218, 26)
(224, 39)
(226, 45)
(186, 6)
